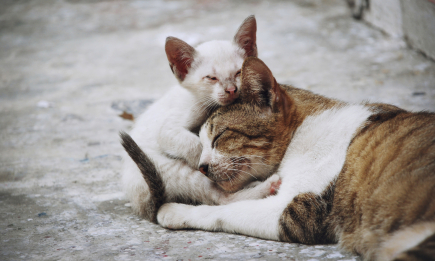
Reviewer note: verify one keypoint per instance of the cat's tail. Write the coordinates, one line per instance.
(425, 251)
(411, 243)
(150, 174)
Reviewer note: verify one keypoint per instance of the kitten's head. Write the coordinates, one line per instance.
(246, 141)
(212, 70)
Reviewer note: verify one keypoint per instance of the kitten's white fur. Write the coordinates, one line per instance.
(164, 130)
(187, 110)
(313, 160)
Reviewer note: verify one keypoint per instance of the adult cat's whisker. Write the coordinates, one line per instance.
(244, 172)
(259, 163)
(229, 178)
(226, 164)
(252, 168)
(248, 165)
(237, 165)
(262, 157)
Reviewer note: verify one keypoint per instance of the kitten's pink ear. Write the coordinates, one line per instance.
(260, 88)
(246, 36)
(180, 56)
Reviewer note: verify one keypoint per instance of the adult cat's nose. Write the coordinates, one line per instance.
(231, 90)
(203, 168)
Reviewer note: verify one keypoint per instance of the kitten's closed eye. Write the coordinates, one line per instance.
(238, 73)
(211, 78)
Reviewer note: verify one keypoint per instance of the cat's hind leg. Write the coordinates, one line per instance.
(425, 251)
(416, 242)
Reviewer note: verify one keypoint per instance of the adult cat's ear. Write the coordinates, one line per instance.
(260, 88)
(180, 56)
(246, 36)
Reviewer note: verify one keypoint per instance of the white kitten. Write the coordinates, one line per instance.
(209, 77)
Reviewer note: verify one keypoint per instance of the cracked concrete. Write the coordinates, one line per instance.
(69, 68)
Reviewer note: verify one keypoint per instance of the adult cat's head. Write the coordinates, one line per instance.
(212, 69)
(246, 141)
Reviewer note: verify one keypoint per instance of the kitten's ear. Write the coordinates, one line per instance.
(260, 88)
(246, 36)
(180, 56)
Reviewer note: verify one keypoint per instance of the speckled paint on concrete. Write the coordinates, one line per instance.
(69, 68)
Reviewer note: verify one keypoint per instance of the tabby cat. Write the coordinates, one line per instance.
(362, 175)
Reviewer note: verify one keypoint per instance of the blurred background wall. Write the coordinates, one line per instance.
(413, 20)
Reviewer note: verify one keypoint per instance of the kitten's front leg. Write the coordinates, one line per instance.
(180, 143)
(258, 218)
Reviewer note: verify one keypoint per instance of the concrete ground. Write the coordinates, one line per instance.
(68, 68)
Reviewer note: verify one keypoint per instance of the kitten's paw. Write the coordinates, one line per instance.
(173, 215)
(194, 154)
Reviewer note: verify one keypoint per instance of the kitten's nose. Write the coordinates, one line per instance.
(231, 90)
(203, 168)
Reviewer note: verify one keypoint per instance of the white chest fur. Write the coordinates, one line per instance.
(318, 149)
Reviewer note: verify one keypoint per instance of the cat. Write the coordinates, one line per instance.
(209, 78)
(362, 175)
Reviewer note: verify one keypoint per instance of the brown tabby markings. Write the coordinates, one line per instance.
(305, 218)
(382, 156)
(388, 181)
(386, 184)
(374, 162)
(266, 136)
(233, 138)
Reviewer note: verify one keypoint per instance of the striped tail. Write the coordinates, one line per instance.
(150, 174)
(425, 251)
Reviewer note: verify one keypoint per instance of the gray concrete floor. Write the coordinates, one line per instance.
(69, 67)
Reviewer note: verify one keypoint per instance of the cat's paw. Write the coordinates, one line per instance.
(270, 186)
(275, 184)
(267, 187)
(173, 215)
(255, 190)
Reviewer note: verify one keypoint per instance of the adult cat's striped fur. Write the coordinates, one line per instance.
(360, 175)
